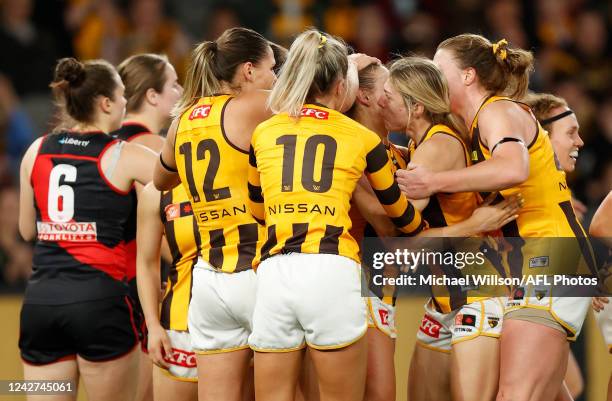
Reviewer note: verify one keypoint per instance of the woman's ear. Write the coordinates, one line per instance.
(247, 71)
(418, 110)
(151, 96)
(105, 104)
(363, 97)
(469, 76)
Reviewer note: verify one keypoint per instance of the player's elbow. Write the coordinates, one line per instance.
(162, 180)
(513, 177)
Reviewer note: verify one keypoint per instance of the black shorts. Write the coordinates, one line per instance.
(95, 330)
(138, 315)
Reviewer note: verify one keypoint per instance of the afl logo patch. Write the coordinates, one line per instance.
(493, 321)
(173, 211)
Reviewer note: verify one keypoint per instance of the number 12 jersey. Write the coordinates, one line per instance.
(213, 171)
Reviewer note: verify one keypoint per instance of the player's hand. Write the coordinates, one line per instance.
(415, 182)
(159, 346)
(488, 218)
(599, 303)
(361, 60)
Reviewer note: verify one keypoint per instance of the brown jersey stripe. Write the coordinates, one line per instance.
(377, 158)
(330, 241)
(585, 246)
(255, 194)
(217, 242)
(294, 244)
(458, 297)
(176, 257)
(406, 218)
(388, 196)
(247, 246)
(515, 255)
(433, 213)
(270, 243)
(252, 158)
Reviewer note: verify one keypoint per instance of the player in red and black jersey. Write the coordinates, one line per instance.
(77, 318)
(151, 90)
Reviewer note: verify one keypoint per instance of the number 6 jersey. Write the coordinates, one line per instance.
(302, 177)
(80, 221)
(213, 171)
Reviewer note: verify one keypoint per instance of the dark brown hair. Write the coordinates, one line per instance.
(76, 86)
(140, 73)
(501, 70)
(215, 62)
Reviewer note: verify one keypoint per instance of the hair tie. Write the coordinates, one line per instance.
(499, 49)
(213, 46)
(323, 41)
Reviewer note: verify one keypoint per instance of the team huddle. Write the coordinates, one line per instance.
(275, 168)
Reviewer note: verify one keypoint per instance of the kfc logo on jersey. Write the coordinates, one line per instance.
(430, 327)
(314, 113)
(384, 317)
(173, 211)
(200, 112)
(183, 358)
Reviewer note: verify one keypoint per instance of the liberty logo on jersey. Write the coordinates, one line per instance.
(71, 141)
(430, 326)
(315, 113)
(200, 112)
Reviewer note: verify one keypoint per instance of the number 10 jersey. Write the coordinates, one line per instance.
(302, 177)
(213, 171)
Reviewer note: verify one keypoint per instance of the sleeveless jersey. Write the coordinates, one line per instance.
(128, 132)
(302, 176)
(81, 219)
(183, 237)
(446, 209)
(213, 172)
(547, 211)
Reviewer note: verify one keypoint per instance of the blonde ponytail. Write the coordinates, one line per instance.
(314, 62)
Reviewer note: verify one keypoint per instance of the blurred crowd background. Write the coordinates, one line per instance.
(570, 38)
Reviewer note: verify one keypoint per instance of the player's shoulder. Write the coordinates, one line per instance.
(504, 109)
